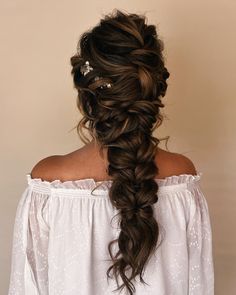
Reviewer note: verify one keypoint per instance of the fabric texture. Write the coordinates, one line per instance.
(62, 230)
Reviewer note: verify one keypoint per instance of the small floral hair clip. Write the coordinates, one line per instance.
(86, 68)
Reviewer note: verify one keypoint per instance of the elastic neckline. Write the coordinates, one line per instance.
(88, 184)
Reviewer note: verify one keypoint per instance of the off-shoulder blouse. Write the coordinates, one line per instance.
(62, 230)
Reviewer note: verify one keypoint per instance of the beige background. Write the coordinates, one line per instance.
(38, 107)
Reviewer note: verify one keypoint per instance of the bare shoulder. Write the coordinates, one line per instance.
(185, 164)
(171, 163)
(48, 168)
(61, 167)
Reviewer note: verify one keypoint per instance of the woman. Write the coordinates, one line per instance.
(120, 213)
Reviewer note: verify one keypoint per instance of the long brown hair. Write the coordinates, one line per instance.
(126, 52)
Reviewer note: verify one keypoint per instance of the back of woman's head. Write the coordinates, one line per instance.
(126, 54)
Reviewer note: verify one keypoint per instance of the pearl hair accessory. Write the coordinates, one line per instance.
(86, 68)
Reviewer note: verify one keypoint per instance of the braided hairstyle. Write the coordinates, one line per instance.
(126, 52)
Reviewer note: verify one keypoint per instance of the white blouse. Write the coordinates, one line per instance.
(62, 230)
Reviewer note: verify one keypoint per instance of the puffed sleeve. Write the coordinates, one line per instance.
(29, 262)
(199, 239)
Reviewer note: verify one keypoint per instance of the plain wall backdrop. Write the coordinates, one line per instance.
(38, 101)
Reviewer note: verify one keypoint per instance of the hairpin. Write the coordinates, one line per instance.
(86, 68)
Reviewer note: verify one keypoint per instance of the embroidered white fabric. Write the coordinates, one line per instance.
(62, 230)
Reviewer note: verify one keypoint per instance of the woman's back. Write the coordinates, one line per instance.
(86, 162)
(62, 230)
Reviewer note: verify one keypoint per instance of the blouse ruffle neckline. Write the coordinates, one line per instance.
(90, 183)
